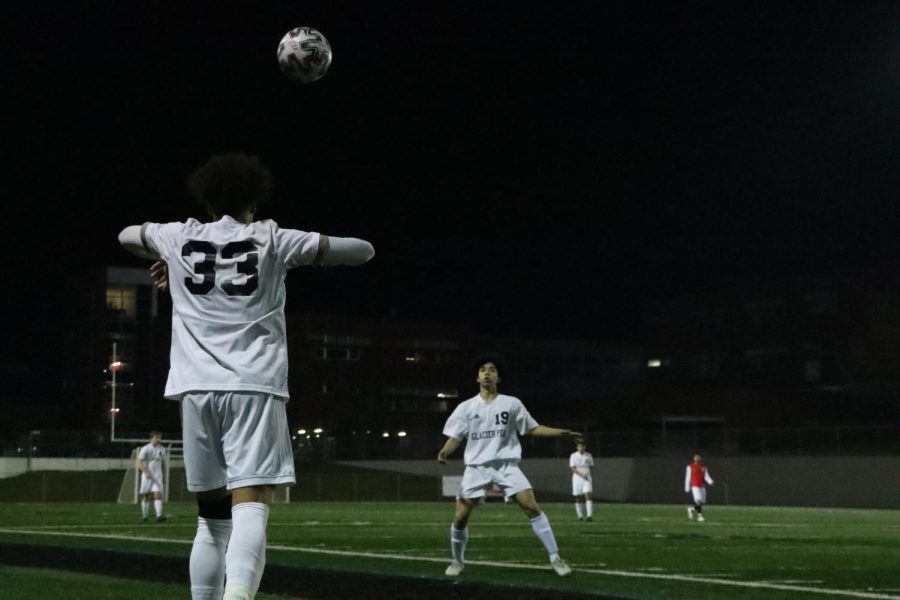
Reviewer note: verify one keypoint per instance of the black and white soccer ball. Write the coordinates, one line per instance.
(304, 54)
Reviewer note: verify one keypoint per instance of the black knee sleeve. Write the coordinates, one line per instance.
(215, 509)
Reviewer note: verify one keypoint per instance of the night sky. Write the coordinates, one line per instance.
(524, 167)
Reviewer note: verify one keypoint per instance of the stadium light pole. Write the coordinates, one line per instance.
(114, 367)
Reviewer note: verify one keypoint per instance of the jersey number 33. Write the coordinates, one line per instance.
(205, 267)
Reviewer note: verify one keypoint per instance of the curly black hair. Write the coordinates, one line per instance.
(228, 184)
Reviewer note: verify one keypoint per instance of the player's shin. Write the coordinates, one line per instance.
(247, 547)
(459, 538)
(541, 527)
(207, 564)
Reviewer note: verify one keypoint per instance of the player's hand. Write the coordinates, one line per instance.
(571, 433)
(159, 273)
(442, 457)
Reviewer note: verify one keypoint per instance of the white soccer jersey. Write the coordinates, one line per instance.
(227, 284)
(492, 429)
(583, 463)
(153, 457)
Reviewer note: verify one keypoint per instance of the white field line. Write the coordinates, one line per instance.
(531, 567)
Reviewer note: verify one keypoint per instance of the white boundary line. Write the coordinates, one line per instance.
(609, 572)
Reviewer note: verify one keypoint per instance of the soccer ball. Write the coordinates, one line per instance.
(304, 54)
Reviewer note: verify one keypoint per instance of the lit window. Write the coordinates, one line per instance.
(122, 298)
(654, 363)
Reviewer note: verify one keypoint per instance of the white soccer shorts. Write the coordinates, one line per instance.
(148, 485)
(581, 486)
(699, 494)
(235, 440)
(477, 479)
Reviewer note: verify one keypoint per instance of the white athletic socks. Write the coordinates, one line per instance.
(589, 506)
(458, 540)
(246, 554)
(145, 508)
(157, 506)
(541, 527)
(579, 510)
(207, 565)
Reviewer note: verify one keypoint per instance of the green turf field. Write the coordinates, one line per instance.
(632, 551)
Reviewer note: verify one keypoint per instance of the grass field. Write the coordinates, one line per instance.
(630, 551)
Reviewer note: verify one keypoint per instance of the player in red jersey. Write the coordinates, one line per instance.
(696, 476)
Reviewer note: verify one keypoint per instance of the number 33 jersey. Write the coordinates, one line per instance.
(491, 429)
(227, 284)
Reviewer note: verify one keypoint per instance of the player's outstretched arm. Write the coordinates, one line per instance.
(334, 251)
(544, 431)
(449, 446)
(132, 240)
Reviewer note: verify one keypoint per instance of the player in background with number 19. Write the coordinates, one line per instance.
(228, 360)
(491, 424)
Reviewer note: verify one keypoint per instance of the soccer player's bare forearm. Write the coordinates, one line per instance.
(544, 431)
(449, 446)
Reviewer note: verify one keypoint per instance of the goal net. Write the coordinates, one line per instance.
(174, 480)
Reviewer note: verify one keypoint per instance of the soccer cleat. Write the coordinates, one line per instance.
(589, 519)
(144, 519)
(561, 568)
(237, 592)
(690, 512)
(454, 569)
(161, 518)
(700, 518)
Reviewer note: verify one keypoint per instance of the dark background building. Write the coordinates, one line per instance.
(812, 356)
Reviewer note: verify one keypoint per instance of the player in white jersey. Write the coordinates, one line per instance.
(150, 462)
(491, 424)
(581, 463)
(228, 363)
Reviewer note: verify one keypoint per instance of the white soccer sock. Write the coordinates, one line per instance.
(246, 554)
(589, 505)
(458, 540)
(541, 526)
(578, 510)
(145, 508)
(207, 565)
(157, 506)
